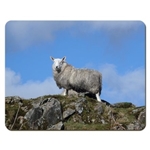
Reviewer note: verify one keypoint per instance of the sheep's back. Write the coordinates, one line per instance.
(83, 80)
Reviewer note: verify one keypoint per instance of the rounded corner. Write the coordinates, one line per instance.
(7, 23)
(143, 128)
(7, 128)
(142, 22)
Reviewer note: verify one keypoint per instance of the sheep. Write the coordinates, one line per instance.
(79, 80)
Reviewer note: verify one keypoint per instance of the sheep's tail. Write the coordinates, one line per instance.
(100, 88)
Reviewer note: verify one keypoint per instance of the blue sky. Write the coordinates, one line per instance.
(115, 48)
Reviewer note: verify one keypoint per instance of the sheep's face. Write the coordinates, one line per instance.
(57, 63)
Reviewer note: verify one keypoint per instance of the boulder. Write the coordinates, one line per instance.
(68, 113)
(79, 105)
(13, 99)
(58, 126)
(47, 114)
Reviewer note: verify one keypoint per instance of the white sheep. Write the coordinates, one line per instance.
(79, 80)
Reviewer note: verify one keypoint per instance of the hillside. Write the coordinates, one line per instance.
(56, 112)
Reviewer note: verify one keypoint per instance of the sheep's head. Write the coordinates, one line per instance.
(57, 65)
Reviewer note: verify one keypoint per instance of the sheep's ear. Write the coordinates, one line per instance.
(64, 58)
(51, 58)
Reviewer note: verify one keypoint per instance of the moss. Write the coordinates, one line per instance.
(88, 119)
(70, 125)
(124, 105)
(123, 115)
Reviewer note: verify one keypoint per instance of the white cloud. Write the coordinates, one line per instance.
(30, 89)
(129, 87)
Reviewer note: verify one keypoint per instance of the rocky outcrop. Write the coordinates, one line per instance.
(47, 112)
(56, 112)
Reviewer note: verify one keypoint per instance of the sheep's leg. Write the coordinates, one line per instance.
(98, 97)
(65, 92)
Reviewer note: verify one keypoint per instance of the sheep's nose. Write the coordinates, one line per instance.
(56, 67)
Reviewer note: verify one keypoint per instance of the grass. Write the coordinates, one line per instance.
(11, 111)
(70, 125)
(89, 119)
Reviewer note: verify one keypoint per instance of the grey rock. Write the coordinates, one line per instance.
(71, 93)
(68, 113)
(52, 111)
(48, 112)
(140, 114)
(25, 108)
(35, 105)
(135, 126)
(16, 99)
(130, 126)
(138, 110)
(99, 108)
(8, 100)
(37, 102)
(72, 104)
(103, 121)
(29, 114)
(13, 99)
(58, 126)
(142, 117)
(45, 101)
(33, 119)
(81, 100)
(20, 119)
(79, 105)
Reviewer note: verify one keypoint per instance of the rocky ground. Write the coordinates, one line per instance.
(56, 112)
